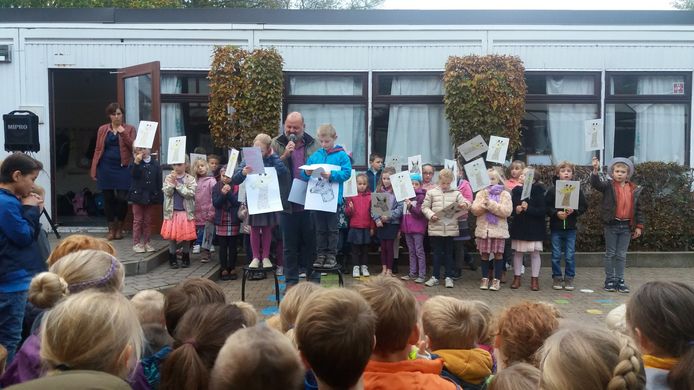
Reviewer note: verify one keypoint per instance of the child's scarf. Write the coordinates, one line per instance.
(495, 195)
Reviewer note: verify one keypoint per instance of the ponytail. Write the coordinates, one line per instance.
(184, 368)
(682, 375)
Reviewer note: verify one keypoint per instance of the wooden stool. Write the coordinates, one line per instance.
(334, 270)
(247, 270)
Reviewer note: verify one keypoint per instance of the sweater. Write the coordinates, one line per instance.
(358, 209)
(20, 259)
(146, 185)
(608, 206)
(125, 141)
(204, 210)
(419, 374)
(570, 222)
(529, 225)
(436, 200)
(502, 210)
(335, 156)
(414, 221)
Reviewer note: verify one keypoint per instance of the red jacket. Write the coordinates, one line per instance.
(125, 140)
(358, 209)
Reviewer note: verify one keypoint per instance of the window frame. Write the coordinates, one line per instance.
(405, 99)
(566, 99)
(185, 97)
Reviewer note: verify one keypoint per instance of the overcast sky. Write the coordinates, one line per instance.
(528, 4)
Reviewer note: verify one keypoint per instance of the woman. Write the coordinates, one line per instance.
(114, 150)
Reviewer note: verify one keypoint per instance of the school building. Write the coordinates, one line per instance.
(375, 75)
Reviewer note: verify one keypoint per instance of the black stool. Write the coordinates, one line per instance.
(332, 270)
(247, 270)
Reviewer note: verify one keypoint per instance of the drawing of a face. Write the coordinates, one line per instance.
(415, 167)
(325, 190)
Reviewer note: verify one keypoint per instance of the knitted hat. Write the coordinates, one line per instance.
(416, 177)
(621, 160)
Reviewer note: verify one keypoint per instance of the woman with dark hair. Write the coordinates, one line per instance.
(112, 155)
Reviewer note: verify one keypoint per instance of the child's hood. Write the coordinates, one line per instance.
(471, 365)
(334, 149)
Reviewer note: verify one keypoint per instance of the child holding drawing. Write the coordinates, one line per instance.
(179, 212)
(261, 224)
(387, 226)
(361, 226)
(413, 226)
(562, 224)
(528, 229)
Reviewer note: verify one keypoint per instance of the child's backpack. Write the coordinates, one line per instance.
(65, 208)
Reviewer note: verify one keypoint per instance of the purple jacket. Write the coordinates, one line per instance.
(204, 210)
(413, 221)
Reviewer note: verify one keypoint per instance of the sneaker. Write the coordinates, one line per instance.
(449, 283)
(212, 249)
(522, 269)
(355, 271)
(419, 280)
(149, 248)
(484, 284)
(407, 277)
(496, 285)
(457, 274)
(330, 261)
(267, 263)
(622, 287)
(320, 259)
(365, 270)
(557, 283)
(302, 275)
(610, 286)
(139, 248)
(196, 249)
(205, 257)
(569, 284)
(432, 282)
(279, 271)
(255, 263)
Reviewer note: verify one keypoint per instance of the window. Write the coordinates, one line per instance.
(338, 99)
(557, 106)
(646, 116)
(408, 117)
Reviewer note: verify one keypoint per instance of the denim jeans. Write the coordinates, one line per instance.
(299, 238)
(617, 238)
(563, 241)
(11, 317)
(443, 253)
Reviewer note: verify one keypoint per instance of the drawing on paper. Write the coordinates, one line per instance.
(496, 149)
(379, 204)
(324, 189)
(566, 192)
(263, 187)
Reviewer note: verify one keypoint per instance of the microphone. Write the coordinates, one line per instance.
(292, 138)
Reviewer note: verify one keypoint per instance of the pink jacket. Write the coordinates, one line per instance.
(502, 210)
(466, 191)
(204, 209)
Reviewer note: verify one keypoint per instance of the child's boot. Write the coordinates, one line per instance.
(173, 263)
(516, 282)
(185, 259)
(535, 284)
(205, 256)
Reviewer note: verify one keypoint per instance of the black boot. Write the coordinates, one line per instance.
(185, 259)
(395, 266)
(173, 263)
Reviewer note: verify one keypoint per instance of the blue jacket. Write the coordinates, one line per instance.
(335, 156)
(19, 253)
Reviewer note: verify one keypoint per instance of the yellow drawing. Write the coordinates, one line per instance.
(566, 191)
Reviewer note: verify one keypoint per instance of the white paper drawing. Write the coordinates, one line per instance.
(402, 186)
(476, 173)
(498, 146)
(317, 169)
(594, 137)
(449, 213)
(379, 204)
(146, 131)
(566, 195)
(453, 166)
(298, 192)
(414, 164)
(321, 195)
(242, 193)
(254, 159)
(528, 183)
(394, 162)
(197, 156)
(473, 148)
(349, 187)
(263, 192)
(177, 150)
(232, 162)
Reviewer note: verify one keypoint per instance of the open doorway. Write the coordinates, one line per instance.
(78, 100)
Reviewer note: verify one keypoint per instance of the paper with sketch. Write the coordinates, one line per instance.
(379, 204)
(254, 159)
(594, 137)
(566, 195)
(452, 165)
(349, 187)
(402, 186)
(476, 173)
(146, 131)
(177, 150)
(197, 156)
(473, 148)
(394, 161)
(321, 195)
(528, 183)
(449, 213)
(232, 162)
(414, 164)
(297, 194)
(263, 192)
(498, 146)
(242, 193)
(319, 168)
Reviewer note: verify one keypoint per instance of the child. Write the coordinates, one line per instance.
(361, 226)
(492, 206)
(440, 206)
(325, 221)
(527, 230)
(213, 161)
(179, 212)
(452, 327)
(414, 225)
(261, 224)
(576, 358)
(520, 376)
(485, 339)
(622, 216)
(204, 209)
(42, 240)
(562, 224)
(263, 350)
(293, 301)
(335, 336)
(387, 228)
(522, 329)
(189, 293)
(227, 225)
(145, 192)
(149, 305)
(20, 259)
(428, 172)
(659, 315)
(396, 331)
(514, 172)
(373, 174)
(463, 228)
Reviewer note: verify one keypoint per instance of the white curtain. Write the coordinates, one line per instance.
(132, 100)
(325, 85)
(659, 127)
(566, 121)
(171, 114)
(609, 132)
(418, 128)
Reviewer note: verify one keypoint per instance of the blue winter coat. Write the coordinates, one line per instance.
(335, 156)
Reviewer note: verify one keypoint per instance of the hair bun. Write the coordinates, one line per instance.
(46, 289)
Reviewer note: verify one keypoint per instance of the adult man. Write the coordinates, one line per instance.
(298, 234)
